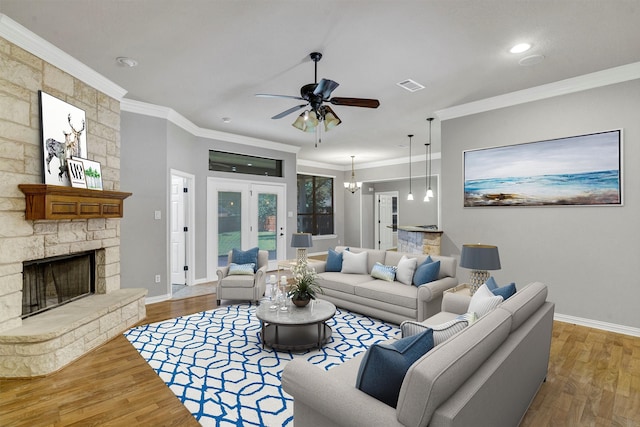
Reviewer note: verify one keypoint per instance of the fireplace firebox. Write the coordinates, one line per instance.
(51, 282)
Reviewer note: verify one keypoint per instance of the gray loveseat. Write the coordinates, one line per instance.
(486, 375)
(390, 301)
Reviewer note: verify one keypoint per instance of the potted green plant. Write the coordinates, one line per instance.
(304, 287)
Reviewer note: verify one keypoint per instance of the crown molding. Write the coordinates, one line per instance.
(607, 77)
(152, 110)
(36, 45)
(314, 164)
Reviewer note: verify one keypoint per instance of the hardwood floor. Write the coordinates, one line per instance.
(593, 380)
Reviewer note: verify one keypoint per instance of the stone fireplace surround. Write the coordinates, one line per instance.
(47, 342)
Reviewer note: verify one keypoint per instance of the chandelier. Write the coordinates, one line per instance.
(352, 185)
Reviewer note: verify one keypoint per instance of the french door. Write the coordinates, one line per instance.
(242, 215)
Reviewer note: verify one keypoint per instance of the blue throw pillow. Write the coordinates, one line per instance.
(491, 283)
(334, 261)
(246, 257)
(384, 366)
(426, 272)
(505, 291)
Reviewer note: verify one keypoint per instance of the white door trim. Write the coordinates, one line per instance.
(190, 221)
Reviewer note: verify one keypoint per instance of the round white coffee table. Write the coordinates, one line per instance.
(296, 328)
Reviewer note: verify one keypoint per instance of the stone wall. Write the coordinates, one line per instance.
(22, 75)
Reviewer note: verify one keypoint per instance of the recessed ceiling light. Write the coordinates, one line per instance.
(126, 62)
(531, 60)
(519, 48)
(226, 119)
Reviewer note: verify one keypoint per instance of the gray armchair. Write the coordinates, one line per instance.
(243, 287)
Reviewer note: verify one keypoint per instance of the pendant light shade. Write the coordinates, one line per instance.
(429, 192)
(410, 195)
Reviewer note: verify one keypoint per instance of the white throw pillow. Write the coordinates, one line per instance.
(354, 263)
(406, 268)
(483, 301)
(441, 332)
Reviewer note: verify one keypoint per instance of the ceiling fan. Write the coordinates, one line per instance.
(315, 95)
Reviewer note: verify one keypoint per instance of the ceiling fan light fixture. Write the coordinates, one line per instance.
(300, 122)
(331, 120)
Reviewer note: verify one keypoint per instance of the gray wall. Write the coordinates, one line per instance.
(150, 148)
(359, 208)
(143, 166)
(588, 256)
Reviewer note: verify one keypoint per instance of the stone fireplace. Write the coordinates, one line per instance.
(46, 342)
(51, 282)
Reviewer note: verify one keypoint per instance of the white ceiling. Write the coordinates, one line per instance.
(206, 59)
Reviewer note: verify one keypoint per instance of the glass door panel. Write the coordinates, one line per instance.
(229, 224)
(270, 220)
(267, 223)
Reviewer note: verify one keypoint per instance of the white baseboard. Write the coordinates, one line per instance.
(159, 298)
(596, 324)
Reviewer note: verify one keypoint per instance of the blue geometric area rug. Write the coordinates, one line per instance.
(214, 362)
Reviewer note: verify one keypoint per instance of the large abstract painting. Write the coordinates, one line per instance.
(579, 170)
(63, 136)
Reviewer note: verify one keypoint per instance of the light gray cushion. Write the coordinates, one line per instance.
(341, 282)
(389, 292)
(406, 268)
(438, 374)
(354, 263)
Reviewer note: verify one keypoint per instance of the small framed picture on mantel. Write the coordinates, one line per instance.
(92, 173)
(76, 173)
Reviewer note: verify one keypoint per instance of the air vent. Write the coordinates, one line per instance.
(410, 85)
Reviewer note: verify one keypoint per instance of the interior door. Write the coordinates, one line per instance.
(386, 220)
(178, 254)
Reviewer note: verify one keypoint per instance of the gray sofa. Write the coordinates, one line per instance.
(486, 375)
(390, 301)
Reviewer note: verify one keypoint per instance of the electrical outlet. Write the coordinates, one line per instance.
(157, 278)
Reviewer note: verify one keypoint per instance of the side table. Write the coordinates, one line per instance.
(461, 289)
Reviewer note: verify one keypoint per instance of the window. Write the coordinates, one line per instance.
(242, 163)
(315, 204)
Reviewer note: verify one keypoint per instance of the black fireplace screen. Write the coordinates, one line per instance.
(50, 282)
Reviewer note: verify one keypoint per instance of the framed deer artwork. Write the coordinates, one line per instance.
(63, 136)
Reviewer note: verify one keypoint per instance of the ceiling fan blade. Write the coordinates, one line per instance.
(268, 95)
(356, 102)
(289, 111)
(325, 87)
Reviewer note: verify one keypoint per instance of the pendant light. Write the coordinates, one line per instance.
(352, 185)
(410, 195)
(429, 193)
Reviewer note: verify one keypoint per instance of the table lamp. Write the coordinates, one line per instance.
(302, 241)
(479, 258)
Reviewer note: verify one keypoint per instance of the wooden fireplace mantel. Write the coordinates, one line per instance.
(58, 202)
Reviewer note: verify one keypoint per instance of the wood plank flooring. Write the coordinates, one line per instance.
(593, 380)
